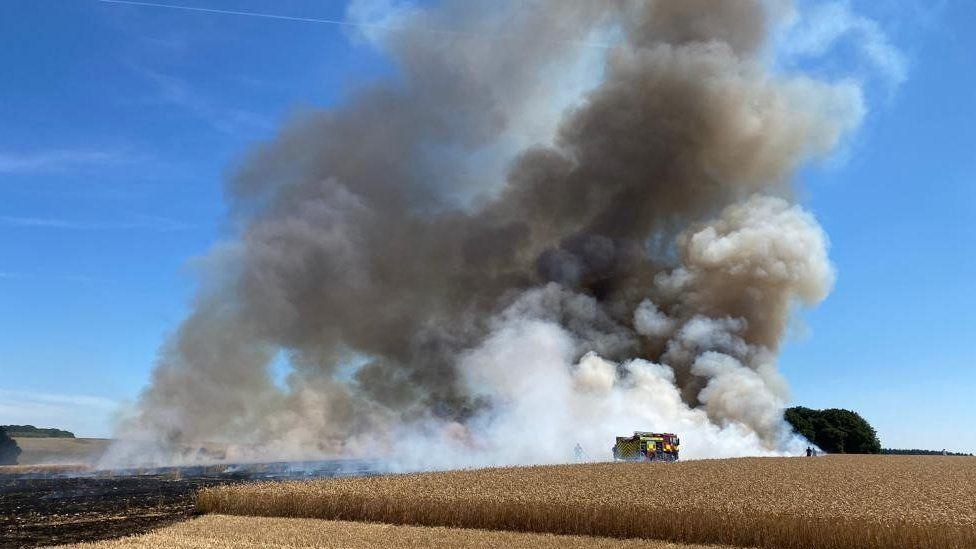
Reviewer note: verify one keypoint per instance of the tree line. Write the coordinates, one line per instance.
(839, 431)
(29, 431)
(917, 452)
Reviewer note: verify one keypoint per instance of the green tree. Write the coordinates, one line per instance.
(798, 417)
(9, 451)
(835, 430)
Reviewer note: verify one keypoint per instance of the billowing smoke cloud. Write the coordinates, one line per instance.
(559, 221)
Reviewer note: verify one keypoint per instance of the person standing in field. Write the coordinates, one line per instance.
(809, 451)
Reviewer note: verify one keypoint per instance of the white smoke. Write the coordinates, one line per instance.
(546, 399)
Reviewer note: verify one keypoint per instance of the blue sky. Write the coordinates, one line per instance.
(119, 123)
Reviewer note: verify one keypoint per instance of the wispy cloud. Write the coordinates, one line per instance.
(60, 399)
(47, 278)
(150, 223)
(55, 160)
(819, 28)
(177, 92)
(83, 414)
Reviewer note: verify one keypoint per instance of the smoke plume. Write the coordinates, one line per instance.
(557, 221)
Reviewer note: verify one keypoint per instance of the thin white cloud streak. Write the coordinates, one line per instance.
(160, 224)
(54, 160)
(36, 222)
(59, 399)
(49, 278)
(82, 414)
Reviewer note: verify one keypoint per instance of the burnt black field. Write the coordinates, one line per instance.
(37, 512)
(39, 509)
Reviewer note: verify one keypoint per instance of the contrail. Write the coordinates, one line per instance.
(337, 22)
(321, 21)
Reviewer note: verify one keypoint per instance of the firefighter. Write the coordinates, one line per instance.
(809, 451)
(578, 452)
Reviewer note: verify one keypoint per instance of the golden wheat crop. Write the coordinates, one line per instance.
(44, 469)
(85, 451)
(224, 532)
(812, 503)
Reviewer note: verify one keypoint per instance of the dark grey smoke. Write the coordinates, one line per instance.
(656, 224)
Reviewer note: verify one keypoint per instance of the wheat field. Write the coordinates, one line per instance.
(812, 503)
(82, 451)
(226, 532)
(43, 469)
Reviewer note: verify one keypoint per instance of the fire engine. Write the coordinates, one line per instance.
(644, 446)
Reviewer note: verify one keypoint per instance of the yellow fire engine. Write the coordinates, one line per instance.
(643, 446)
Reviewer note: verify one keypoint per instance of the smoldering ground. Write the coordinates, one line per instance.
(560, 221)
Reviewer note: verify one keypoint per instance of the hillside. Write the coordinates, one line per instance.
(29, 431)
(85, 451)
